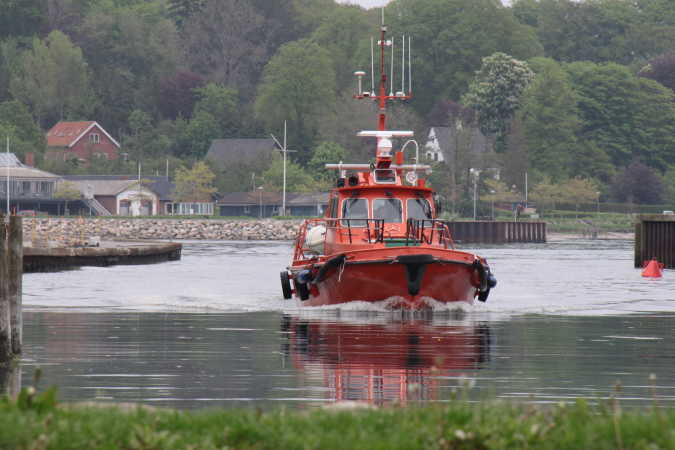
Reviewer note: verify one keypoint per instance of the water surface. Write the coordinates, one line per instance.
(567, 319)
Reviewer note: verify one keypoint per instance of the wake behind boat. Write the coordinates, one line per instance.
(380, 239)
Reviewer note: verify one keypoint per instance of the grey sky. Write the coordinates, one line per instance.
(374, 3)
(366, 3)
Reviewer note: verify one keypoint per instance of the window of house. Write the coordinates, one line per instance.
(355, 209)
(418, 208)
(25, 187)
(389, 209)
(94, 138)
(247, 209)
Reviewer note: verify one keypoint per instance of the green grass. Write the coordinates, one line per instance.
(39, 422)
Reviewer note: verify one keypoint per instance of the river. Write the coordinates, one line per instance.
(567, 319)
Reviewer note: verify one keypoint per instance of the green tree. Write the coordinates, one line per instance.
(579, 190)
(195, 184)
(22, 17)
(450, 38)
(129, 50)
(297, 178)
(221, 103)
(299, 96)
(145, 139)
(344, 33)
(495, 93)
(626, 116)
(550, 120)
(193, 138)
(232, 58)
(17, 123)
(53, 80)
(325, 153)
(67, 191)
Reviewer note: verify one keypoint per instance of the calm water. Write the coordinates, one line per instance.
(566, 320)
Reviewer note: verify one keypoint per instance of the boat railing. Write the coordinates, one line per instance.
(428, 230)
(353, 228)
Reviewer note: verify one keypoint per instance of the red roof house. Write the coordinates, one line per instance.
(81, 140)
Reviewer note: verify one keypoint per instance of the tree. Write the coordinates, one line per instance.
(495, 93)
(637, 183)
(579, 190)
(222, 41)
(325, 153)
(344, 33)
(626, 116)
(546, 192)
(181, 10)
(17, 123)
(661, 69)
(550, 120)
(221, 103)
(450, 38)
(195, 184)
(67, 191)
(299, 96)
(177, 96)
(297, 178)
(129, 49)
(22, 17)
(54, 79)
(193, 138)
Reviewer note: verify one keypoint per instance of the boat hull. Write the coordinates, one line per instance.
(401, 281)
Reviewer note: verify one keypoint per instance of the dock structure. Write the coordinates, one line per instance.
(497, 232)
(655, 238)
(50, 259)
(11, 273)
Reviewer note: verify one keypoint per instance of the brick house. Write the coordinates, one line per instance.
(80, 140)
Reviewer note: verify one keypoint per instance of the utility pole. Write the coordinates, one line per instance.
(284, 150)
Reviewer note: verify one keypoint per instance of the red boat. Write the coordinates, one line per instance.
(380, 239)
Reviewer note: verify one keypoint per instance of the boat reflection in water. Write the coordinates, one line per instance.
(384, 359)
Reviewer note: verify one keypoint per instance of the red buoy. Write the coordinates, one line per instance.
(652, 269)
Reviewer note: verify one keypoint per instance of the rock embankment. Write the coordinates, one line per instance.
(69, 230)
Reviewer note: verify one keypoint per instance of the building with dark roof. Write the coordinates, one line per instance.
(259, 203)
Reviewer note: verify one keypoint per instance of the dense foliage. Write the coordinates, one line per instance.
(563, 88)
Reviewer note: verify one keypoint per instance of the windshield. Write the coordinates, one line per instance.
(418, 208)
(389, 209)
(355, 208)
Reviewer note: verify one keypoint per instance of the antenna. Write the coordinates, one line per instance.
(409, 66)
(372, 68)
(403, 65)
(391, 83)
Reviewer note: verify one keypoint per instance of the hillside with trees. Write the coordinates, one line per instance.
(566, 89)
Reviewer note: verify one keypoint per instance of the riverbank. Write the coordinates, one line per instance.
(74, 231)
(71, 231)
(39, 422)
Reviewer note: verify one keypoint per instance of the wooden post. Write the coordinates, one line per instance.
(5, 325)
(15, 278)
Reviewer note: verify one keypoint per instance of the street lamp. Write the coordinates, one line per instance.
(260, 210)
(475, 173)
(598, 203)
(492, 193)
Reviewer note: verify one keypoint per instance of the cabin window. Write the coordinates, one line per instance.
(389, 209)
(355, 209)
(94, 138)
(418, 208)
